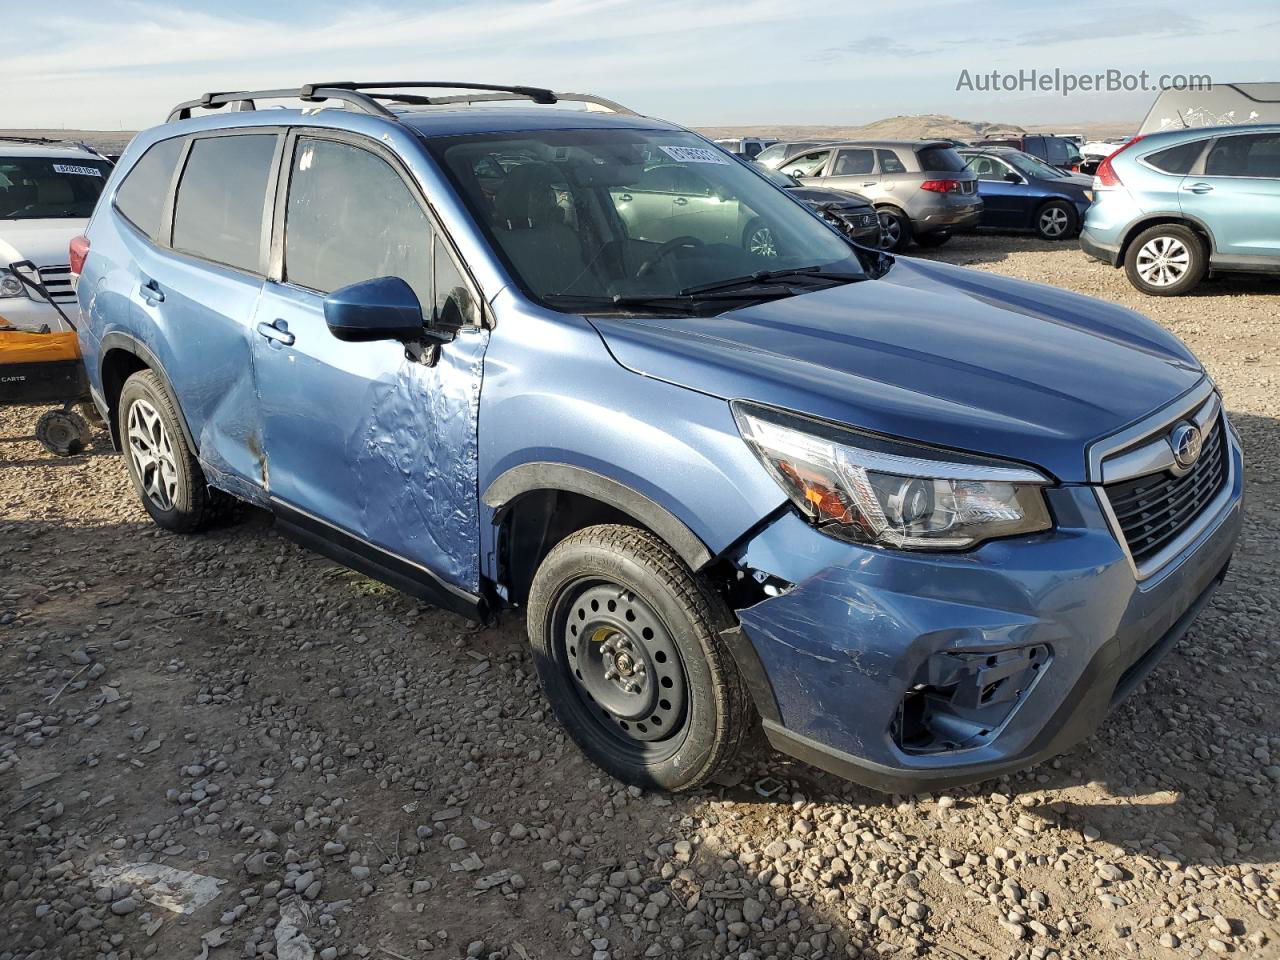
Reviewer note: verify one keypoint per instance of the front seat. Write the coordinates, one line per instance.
(531, 230)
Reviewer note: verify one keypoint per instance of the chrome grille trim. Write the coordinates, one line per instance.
(1197, 522)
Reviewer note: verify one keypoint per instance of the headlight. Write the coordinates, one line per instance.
(871, 490)
(10, 286)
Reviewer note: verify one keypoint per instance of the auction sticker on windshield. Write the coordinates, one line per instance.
(76, 169)
(695, 155)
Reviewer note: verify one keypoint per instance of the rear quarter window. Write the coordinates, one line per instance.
(141, 195)
(1178, 160)
(940, 158)
(221, 199)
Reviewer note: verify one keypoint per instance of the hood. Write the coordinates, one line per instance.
(1075, 183)
(43, 242)
(842, 198)
(933, 353)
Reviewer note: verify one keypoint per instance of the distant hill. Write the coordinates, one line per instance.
(104, 141)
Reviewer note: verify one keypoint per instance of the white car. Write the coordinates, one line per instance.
(47, 192)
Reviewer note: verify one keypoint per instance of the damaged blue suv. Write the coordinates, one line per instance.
(923, 524)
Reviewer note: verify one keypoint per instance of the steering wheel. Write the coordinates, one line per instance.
(665, 250)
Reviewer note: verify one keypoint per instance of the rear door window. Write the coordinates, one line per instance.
(141, 195)
(940, 159)
(889, 162)
(351, 217)
(1250, 155)
(221, 200)
(1179, 159)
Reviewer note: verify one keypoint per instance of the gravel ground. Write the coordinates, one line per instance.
(225, 746)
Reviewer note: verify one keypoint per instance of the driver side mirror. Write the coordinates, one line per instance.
(1013, 177)
(384, 308)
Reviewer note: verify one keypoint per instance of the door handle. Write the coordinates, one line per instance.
(151, 292)
(626, 198)
(869, 183)
(1199, 188)
(681, 202)
(279, 332)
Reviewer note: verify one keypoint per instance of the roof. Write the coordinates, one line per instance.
(910, 144)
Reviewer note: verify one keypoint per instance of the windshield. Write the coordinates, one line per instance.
(1033, 166)
(39, 188)
(615, 219)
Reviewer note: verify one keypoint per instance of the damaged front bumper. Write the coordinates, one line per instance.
(911, 671)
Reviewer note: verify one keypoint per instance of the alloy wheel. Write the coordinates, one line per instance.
(890, 231)
(625, 667)
(1163, 261)
(152, 454)
(760, 243)
(1053, 222)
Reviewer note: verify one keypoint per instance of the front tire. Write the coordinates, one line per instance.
(165, 473)
(895, 229)
(757, 239)
(1166, 260)
(627, 645)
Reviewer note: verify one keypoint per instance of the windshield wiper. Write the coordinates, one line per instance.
(668, 301)
(765, 276)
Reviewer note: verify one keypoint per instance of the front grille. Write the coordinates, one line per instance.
(57, 280)
(1153, 510)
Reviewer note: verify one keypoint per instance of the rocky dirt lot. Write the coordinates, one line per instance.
(225, 746)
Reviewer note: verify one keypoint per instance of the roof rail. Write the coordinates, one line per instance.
(364, 97)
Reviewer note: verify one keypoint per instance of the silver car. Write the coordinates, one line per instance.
(920, 188)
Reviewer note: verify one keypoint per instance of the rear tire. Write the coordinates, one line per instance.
(1166, 260)
(1057, 220)
(895, 229)
(164, 470)
(627, 645)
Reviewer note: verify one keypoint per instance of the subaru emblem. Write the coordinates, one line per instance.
(1186, 441)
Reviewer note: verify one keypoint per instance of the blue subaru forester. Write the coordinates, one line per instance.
(923, 524)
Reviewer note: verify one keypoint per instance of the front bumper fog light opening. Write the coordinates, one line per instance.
(961, 699)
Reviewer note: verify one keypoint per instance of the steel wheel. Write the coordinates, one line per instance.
(624, 666)
(1162, 261)
(152, 454)
(1054, 221)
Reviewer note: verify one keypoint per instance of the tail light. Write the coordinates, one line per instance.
(941, 186)
(1105, 176)
(78, 252)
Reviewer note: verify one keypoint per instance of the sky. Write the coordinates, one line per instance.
(121, 64)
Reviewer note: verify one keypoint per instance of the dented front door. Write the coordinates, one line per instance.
(367, 440)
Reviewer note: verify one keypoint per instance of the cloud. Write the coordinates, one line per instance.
(108, 63)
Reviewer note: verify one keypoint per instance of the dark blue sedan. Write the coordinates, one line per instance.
(1021, 192)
